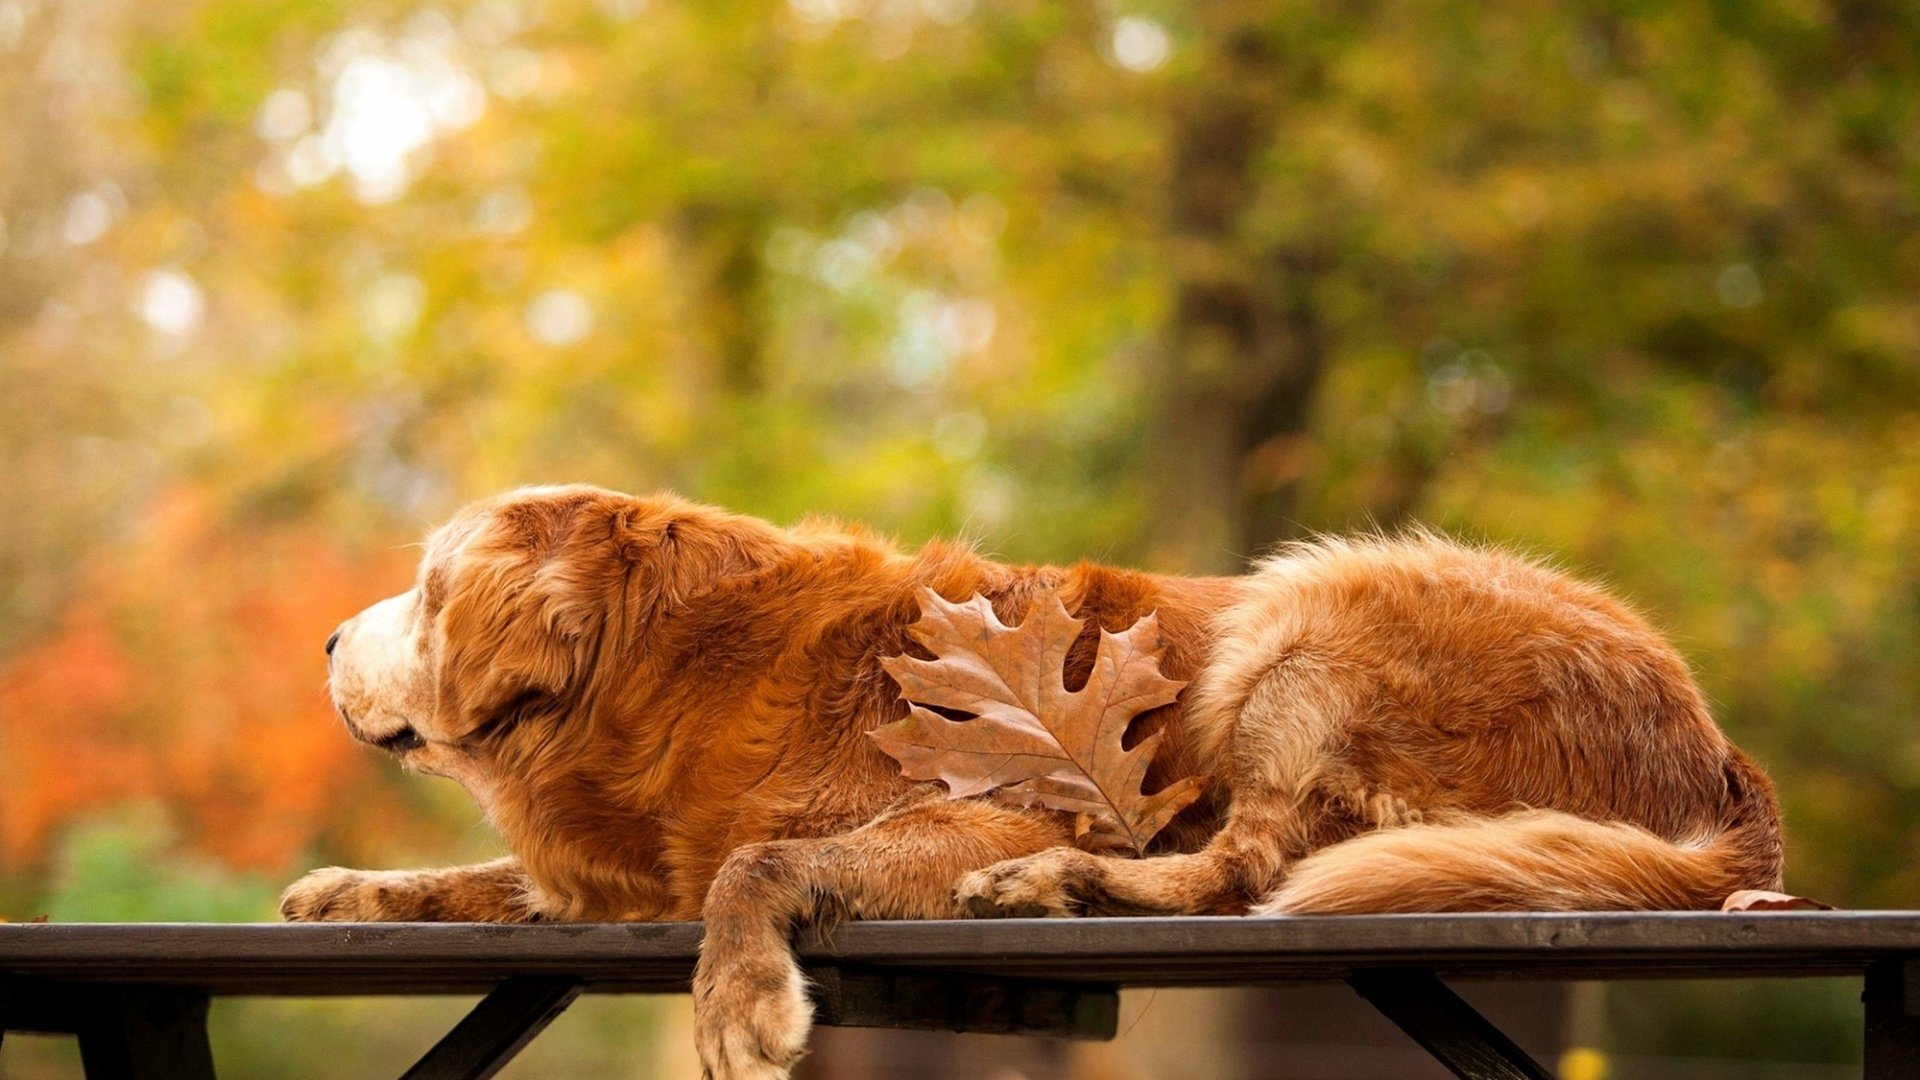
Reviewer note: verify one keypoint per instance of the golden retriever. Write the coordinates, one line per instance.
(664, 709)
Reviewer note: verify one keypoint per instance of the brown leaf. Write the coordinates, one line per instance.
(1028, 739)
(1762, 900)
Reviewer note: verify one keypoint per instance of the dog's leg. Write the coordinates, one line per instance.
(751, 1014)
(1291, 794)
(496, 891)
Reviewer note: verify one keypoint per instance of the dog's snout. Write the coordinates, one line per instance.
(332, 640)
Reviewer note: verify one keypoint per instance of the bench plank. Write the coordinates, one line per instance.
(398, 958)
(873, 997)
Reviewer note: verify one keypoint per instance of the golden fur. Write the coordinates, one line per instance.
(664, 709)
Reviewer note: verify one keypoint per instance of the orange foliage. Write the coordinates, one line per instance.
(188, 671)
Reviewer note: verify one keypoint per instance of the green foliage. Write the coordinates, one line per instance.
(128, 866)
(1738, 1023)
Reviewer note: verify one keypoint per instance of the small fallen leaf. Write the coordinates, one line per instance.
(1028, 739)
(1762, 900)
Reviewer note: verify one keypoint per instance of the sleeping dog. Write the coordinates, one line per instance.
(664, 709)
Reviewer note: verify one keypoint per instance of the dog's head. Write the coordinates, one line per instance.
(522, 605)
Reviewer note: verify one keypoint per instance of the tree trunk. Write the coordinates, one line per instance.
(1245, 348)
(724, 244)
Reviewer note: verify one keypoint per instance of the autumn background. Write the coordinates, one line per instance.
(1634, 285)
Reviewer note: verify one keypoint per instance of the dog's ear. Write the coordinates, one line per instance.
(523, 613)
(502, 652)
(553, 582)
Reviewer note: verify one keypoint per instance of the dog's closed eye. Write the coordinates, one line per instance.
(401, 741)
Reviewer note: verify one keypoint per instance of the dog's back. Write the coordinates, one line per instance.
(1421, 725)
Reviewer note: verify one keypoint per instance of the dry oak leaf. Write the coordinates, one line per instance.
(1762, 900)
(1030, 740)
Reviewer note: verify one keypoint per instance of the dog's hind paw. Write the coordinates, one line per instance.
(1052, 884)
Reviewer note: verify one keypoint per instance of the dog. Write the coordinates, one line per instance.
(664, 709)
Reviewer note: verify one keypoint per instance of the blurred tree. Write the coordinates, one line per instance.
(1234, 378)
(67, 408)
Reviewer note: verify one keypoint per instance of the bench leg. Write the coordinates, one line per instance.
(1449, 1028)
(504, 1022)
(1892, 1000)
(145, 1033)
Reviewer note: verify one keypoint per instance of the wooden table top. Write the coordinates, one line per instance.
(416, 958)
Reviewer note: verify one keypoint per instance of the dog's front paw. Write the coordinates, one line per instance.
(1052, 884)
(335, 894)
(750, 1012)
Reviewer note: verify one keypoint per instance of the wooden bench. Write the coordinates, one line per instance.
(137, 995)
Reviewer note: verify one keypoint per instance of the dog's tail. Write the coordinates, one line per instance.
(1543, 860)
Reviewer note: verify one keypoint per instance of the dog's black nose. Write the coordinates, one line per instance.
(332, 640)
